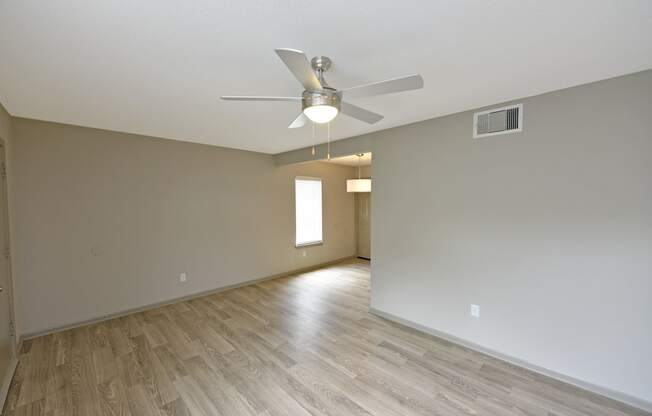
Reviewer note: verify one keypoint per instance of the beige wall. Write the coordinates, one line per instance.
(365, 171)
(106, 221)
(548, 230)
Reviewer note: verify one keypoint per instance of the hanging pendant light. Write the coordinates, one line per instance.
(358, 185)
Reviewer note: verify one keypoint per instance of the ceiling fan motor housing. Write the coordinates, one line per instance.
(327, 96)
(321, 103)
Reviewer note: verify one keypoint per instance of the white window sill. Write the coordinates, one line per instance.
(308, 244)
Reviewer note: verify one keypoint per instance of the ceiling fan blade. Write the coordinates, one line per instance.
(410, 82)
(360, 113)
(298, 64)
(298, 122)
(257, 98)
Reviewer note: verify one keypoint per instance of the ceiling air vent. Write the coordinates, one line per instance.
(497, 121)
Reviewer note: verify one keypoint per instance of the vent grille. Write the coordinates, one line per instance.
(498, 121)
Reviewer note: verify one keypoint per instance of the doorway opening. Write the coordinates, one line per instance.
(361, 163)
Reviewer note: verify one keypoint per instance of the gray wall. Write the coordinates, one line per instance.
(106, 221)
(549, 231)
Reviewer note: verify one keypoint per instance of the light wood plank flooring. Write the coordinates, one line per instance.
(300, 345)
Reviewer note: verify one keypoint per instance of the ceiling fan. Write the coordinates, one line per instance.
(320, 102)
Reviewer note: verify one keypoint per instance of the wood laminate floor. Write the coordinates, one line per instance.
(300, 345)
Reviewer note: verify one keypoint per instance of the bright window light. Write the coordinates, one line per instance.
(308, 210)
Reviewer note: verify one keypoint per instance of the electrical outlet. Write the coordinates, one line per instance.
(475, 311)
(304, 253)
(183, 278)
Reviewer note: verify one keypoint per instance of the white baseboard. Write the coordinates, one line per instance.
(602, 391)
(6, 383)
(149, 306)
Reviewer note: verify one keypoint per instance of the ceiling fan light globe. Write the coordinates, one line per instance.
(320, 113)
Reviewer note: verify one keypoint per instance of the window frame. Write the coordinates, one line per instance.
(294, 183)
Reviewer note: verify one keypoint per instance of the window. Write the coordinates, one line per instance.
(307, 196)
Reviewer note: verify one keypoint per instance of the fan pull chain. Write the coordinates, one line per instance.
(313, 138)
(328, 142)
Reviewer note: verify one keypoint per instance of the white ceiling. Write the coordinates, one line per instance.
(352, 160)
(157, 67)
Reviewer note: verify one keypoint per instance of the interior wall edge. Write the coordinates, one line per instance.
(625, 398)
(7, 122)
(6, 136)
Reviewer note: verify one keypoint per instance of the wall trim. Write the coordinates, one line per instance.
(602, 391)
(155, 305)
